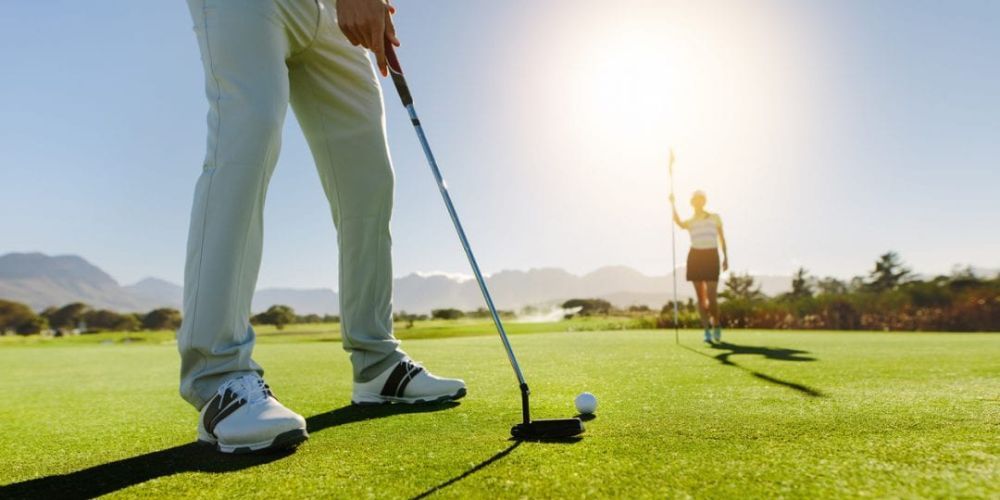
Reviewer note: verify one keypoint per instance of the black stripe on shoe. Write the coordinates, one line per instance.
(406, 380)
(399, 378)
(220, 407)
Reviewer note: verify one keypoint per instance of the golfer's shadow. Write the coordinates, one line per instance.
(779, 354)
(113, 476)
(768, 352)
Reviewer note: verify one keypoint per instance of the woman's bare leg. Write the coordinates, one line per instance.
(699, 290)
(712, 289)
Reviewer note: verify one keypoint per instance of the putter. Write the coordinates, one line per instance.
(528, 429)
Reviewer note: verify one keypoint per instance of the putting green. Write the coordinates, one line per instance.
(776, 414)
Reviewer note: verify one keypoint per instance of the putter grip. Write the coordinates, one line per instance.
(396, 71)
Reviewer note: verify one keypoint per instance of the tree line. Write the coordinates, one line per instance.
(889, 297)
(78, 317)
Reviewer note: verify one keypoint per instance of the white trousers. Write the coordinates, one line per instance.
(259, 55)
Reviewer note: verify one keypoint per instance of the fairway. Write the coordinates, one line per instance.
(799, 414)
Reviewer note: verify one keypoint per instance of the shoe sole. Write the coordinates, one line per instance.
(385, 400)
(285, 440)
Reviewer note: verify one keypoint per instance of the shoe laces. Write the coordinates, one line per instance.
(410, 364)
(248, 387)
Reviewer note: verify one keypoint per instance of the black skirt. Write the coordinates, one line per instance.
(703, 264)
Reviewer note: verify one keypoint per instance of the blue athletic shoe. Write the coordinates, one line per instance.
(718, 335)
(708, 336)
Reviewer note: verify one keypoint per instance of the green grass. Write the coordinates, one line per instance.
(864, 414)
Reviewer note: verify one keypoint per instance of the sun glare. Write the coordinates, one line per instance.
(712, 82)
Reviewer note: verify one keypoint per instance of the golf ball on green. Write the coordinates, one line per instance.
(586, 403)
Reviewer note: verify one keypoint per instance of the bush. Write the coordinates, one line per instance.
(33, 326)
(447, 314)
(105, 320)
(309, 318)
(277, 315)
(589, 307)
(162, 319)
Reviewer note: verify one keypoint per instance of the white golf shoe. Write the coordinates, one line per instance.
(407, 382)
(244, 417)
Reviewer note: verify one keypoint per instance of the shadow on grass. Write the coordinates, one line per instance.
(193, 457)
(768, 353)
(476, 468)
(485, 463)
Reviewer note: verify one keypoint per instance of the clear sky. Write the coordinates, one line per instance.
(824, 133)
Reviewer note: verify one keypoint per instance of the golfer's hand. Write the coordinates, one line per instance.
(368, 23)
(725, 264)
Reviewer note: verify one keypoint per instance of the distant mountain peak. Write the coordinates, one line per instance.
(149, 280)
(459, 277)
(36, 265)
(617, 270)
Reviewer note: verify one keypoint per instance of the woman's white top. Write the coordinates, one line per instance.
(704, 231)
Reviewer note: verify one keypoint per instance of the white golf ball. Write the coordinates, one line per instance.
(586, 403)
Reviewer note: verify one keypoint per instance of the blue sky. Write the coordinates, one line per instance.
(824, 133)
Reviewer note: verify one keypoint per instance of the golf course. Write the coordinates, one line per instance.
(764, 414)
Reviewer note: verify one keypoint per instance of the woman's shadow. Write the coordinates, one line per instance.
(775, 353)
(193, 457)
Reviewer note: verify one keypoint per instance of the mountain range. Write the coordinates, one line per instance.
(41, 281)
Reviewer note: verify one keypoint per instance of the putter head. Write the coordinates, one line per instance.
(556, 428)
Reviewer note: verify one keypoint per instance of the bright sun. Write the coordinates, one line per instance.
(712, 82)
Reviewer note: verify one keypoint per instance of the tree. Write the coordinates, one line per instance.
(742, 287)
(482, 312)
(447, 314)
(963, 278)
(105, 320)
(277, 315)
(589, 307)
(404, 316)
(831, 286)
(128, 323)
(15, 315)
(162, 319)
(310, 318)
(67, 317)
(888, 274)
(801, 287)
(34, 325)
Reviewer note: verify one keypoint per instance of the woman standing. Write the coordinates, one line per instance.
(706, 233)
